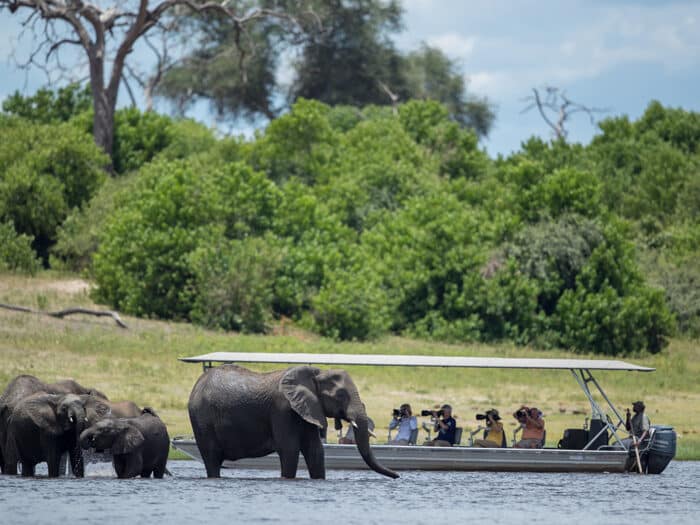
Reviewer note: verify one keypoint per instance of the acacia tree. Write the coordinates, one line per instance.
(107, 35)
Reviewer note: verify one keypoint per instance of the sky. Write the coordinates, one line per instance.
(615, 54)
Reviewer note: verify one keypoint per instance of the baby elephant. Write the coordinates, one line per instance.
(139, 445)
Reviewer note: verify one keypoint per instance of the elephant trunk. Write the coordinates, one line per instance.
(359, 419)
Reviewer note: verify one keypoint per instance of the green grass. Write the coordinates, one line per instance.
(141, 364)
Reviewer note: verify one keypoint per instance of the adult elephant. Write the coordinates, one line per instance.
(45, 426)
(24, 386)
(237, 413)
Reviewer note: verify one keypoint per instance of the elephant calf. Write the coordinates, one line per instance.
(139, 445)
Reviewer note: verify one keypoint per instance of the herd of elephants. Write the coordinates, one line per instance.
(235, 413)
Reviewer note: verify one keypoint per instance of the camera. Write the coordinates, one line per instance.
(493, 413)
(482, 416)
(399, 413)
(440, 413)
(521, 414)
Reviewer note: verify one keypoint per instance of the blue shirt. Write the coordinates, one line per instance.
(449, 434)
(406, 425)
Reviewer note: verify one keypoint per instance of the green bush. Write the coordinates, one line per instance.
(350, 305)
(138, 137)
(45, 170)
(233, 284)
(611, 310)
(78, 237)
(142, 265)
(16, 252)
(47, 106)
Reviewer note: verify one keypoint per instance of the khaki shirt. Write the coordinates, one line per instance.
(640, 423)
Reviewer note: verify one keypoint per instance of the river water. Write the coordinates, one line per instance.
(346, 497)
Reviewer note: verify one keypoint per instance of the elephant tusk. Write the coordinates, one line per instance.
(70, 418)
(353, 424)
(86, 420)
(372, 434)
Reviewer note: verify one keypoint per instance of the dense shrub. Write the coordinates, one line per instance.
(142, 265)
(47, 106)
(357, 222)
(45, 171)
(350, 305)
(78, 237)
(233, 284)
(138, 137)
(16, 252)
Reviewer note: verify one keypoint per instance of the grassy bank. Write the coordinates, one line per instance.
(141, 364)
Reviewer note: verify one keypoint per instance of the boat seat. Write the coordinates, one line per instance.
(458, 435)
(413, 437)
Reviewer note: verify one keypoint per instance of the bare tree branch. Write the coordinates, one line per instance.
(556, 109)
(60, 314)
(108, 35)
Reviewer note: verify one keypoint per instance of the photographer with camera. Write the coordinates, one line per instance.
(445, 425)
(406, 422)
(531, 422)
(494, 437)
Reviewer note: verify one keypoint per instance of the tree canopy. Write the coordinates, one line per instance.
(355, 223)
(352, 61)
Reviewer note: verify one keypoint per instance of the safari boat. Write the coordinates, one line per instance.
(602, 448)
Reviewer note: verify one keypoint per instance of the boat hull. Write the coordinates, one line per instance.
(346, 457)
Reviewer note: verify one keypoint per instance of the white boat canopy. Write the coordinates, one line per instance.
(415, 360)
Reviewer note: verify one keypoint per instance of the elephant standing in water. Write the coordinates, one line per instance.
(24, 386)
(45, 426)
(237, 413)
(139, 445)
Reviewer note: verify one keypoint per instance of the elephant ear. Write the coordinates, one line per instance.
(42, 411)
(95, 408)
(127, 441)
(298, 385)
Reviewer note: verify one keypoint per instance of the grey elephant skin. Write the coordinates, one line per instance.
(43, 427)
(237, 413)
(24, 386)
(139, 445)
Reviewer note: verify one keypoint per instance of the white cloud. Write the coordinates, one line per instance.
(454, 45)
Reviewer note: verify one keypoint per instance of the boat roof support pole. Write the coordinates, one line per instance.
(620, 421)
(607, 400)
(596, 411)
(583, 377)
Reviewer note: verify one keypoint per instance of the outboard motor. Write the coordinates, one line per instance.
(661, 449)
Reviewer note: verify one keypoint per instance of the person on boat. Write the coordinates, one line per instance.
(446, 427)
(406, 422)
(349, 437)
(494, 436)
(531, 422)
(637, 425)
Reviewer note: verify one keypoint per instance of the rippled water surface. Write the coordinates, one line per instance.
(354, 497)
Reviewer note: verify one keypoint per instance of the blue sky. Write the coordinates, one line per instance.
(613, 54)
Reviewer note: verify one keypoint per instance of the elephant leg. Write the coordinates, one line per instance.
(77, 463)
(212, 458)
(312, 449)
(63, 467)
(159, 470)
(10, 468)
(53, 460)
(289, 460)
(28, 470)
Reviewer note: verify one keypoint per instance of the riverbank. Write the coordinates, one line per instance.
(140, 363)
